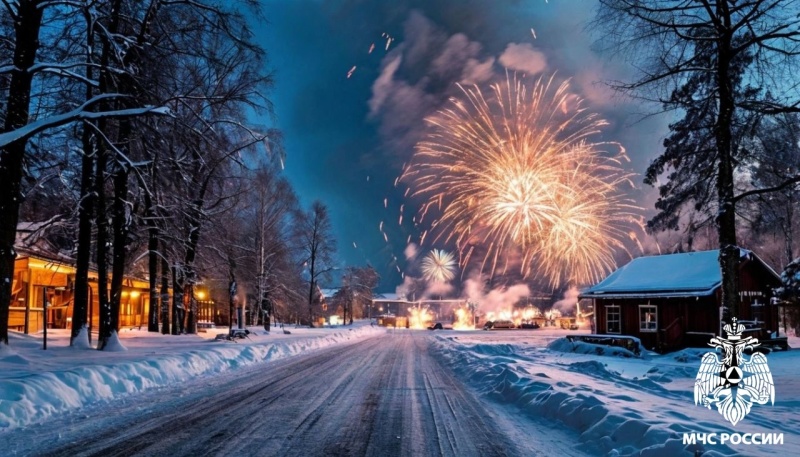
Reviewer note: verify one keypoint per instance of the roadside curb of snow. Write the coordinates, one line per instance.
(34, 398)
(492, 371)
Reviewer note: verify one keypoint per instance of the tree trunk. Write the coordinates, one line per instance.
(152, 264)
(80, 313)
(106, 83)
(311, 304)
(177, 300)
(120, 228)
(17, 115)
(80, 298)
(191, 317)
(164, 290)
(102, 242)
(266, 307)
(195, 216)
(788, 231)
(231, 291)
(726, 220)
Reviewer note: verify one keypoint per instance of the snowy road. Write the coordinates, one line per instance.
(381, 396)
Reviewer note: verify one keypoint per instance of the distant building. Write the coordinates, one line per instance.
(674, 301)
(392, 304)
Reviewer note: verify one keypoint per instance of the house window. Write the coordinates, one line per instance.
(648, 318)
(758, 311)
(612, 319)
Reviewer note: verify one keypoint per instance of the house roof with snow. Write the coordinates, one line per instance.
(328, 293)
(674, 275)
(387, 297)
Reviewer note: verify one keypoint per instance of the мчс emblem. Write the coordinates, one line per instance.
(734, 383)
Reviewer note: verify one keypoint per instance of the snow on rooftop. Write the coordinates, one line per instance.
(386, 296)
(328, 293)
(690, 271)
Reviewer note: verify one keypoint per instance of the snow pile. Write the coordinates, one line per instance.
(30, 397)
(690, 355)
(612, 413)
(580, 347)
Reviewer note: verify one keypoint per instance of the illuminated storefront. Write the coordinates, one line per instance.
(39, 280)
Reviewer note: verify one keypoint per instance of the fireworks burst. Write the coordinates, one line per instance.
(438, 266)
(517, 175)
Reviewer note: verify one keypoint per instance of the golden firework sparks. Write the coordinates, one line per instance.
(518, 174)
(438, 266)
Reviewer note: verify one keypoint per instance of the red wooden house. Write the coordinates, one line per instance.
(674, 301)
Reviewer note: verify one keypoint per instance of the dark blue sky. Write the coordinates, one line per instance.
(346, 139)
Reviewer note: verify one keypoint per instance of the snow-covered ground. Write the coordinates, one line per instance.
(619, 405)
(36, 384)
(612, 404)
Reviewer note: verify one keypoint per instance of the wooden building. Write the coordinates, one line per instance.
(39, 278)
(674, 301)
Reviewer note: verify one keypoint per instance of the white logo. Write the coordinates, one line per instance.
(734, 383)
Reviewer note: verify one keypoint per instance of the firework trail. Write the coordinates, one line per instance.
(517, 174)
(438, 266)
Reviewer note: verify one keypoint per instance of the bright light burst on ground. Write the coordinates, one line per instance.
(420, 318)
(517, 176)
(438, 266)
(465, 319)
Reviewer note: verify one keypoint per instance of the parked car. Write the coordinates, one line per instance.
(503, 324)
(529, 325)
(436, 326)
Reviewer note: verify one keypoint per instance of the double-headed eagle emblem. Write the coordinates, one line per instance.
(734, 383)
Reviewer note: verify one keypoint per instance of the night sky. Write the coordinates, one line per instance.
(347, 139)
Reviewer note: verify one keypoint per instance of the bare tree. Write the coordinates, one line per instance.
(22, 69)
(207, 74)
(274, 206)
(319, 246)
(356, 291)
(720, 65)
(118, 60)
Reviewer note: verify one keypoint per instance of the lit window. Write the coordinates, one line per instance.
(612, 319)
(648, 318)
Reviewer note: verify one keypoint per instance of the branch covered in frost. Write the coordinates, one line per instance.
(78, 114)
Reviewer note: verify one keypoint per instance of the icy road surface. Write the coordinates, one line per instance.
(381, 396)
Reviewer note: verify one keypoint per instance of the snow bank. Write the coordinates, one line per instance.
(580, 347)
(610, 412)
(32, 397)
